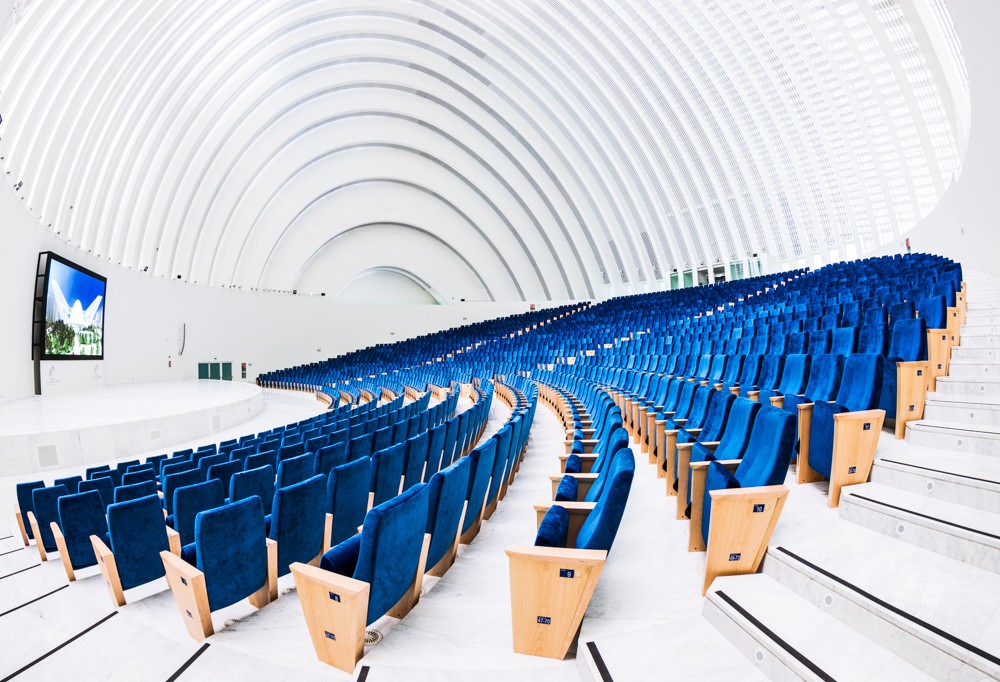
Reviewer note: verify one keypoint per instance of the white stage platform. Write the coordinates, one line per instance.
(44, 433)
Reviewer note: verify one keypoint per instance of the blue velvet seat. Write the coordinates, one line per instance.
(361, 446)
(104, 486)
(824, 378)
(172, 482)
(482, 458)
(139, 476)
(347, 496)
(189, 501)
(933, 310)
(229, 560)
(290, 450)
(794, 377)
(908, 344)
(375, 572)
(23, 493)
(45, 510)
(501, 462)
(208, 461)
(90, 471)
(446, 502)
(416, 459)
(295, 470)
(297, 522)
(225, 471)
(768, 377)
(80, 516)
(72, 483)
(259, 482)
(124, 493)
(136, 536)
(387, 472)
(845, 340)
(329, 456)
(710, 430)
(765, 463)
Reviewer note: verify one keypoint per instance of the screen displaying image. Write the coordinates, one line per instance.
(74, 312)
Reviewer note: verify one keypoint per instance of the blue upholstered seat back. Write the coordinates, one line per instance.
(824, 377)
(347, 489)
(797, 343)
(24, 501)
(699, 406)
(81, 516)
(189, 500)
(482, 458)
(387, 471)
(845, 340)
(435, 448)
(45, 503)
(383, 438)
(750, 370)
(717, 415)
(616, 439)
(137, 536)
(909, 340)
(297, 521)
(224, 472)
(361, 446)
(205, 462)
(231, 550)
(259, 482)
(72, 483)
(684, 399)
(619, 443)
(503, 440)
(599, 529)
(861, 383)
(819, 341)
(416, 459)
(104, 486)
(765, 463)
(388, 549)
(901, 311)
(795, 374)
(734, 440)
(172, 482)
(330, 456)
(446, 501)
(873, 338)
(124, 493)
(295, 469)
(139, 476)
(769, 376)
(933, 310)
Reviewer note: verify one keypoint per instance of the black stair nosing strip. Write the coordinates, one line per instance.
(60, 646)
(925, 516)
(28, 568)
(795, 653)
(32, 601)
(187, 664)
(972, 648)
(602, 667)
(363, 675)
(11, 551)
(6, 537)
(940, 471)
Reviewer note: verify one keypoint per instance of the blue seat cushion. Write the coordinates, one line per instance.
(821, 436)
(553, 529)
(567, 490)
(577, 447)
(574, 465)
(342, 558)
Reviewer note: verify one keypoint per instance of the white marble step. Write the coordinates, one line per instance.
(879, 588)
(981, 341)
(791, 639)
(980, 327)
(982, 369)
(973, 353)
(980, 410)
(959, 477)
(953, 530)
(969, 387)
(950, 435)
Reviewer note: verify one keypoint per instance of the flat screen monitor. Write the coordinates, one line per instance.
(73, 310)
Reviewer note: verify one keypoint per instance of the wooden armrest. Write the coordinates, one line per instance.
(109, 570)
(753, 395)
(57, 534)
(173, 540)
(336, 610)
(694, 432)
(37, 532)
(559, 554)
(860, 416)
(730, 464)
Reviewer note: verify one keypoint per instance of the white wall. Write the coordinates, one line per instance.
(964, 225)
(144, 315)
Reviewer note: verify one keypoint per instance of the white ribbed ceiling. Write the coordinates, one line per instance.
(485, 149)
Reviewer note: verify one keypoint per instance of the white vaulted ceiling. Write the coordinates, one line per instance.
(478, 149)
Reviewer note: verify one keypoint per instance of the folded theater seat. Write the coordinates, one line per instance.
(552, 582)
(837, 438)
(130, 556)
(375, 572)
(735, 503)
(230, 559)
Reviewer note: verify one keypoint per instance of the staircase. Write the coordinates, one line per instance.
(901, 582)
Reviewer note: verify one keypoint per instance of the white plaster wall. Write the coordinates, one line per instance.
(964, 225)
(144, 315)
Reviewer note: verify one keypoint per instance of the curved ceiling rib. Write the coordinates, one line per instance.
(543, 150)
